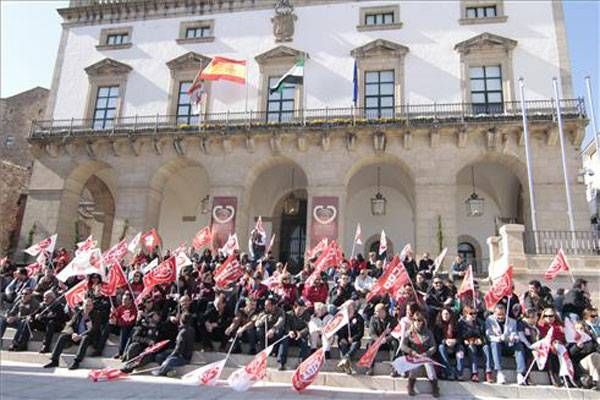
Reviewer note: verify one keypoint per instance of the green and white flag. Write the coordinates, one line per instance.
(295, 76)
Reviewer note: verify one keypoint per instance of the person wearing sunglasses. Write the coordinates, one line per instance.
(419, 341)
(504, 340)
(445, 330)
(474, 341)
(549, 320)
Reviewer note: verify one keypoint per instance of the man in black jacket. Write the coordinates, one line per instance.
(576, 300)
(184, 348)
(17, 317)
(49, 318)
(296, 328)
(537, 297)
(83, 329)
(382, 324)
(349, 338)
(342, 292)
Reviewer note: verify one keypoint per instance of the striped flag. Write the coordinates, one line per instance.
(294, 76)
(227, 69)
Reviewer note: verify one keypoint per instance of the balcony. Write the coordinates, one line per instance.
(407, 115)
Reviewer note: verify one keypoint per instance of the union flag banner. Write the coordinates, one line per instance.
(308, 370)
(559, 263)
(116, 253)
(322, 245)
(107, 374)
(181, 259)
(87, 244)
(222, 68)
(406, 363)
(84, 263)
(166, 272)
(467, 284)
(46, 245)
(367, 359)
(150, 240)
(327, 258)
(564, 360)
(116, 279)
(541, 350)
(33, 269)
(394, 277)
(203, 238)
(572, 335)
(76, 294)
(207, 374)
(340, 319)
(230, 271)
(501, 288)
(243, 378)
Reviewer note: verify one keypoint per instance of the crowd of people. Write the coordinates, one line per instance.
(270, 303)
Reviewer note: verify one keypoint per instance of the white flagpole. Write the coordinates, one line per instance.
(247, 91)
(564, 159)
(593, 115)
(528, 159)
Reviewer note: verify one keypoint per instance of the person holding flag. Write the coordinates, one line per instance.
(547, 322)
(295, 332)
(419, 342)
(382, 324)
(350, 337)
(585, 353)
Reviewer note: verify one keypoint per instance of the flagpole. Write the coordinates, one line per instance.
(564, 161)
(529, 370)
(528, 160)
(247, 91)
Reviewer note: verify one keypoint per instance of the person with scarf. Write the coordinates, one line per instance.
(447, 336)
(473, 339)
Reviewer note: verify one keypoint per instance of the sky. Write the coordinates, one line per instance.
(30, 33)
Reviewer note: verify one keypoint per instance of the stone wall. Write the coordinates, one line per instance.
(14, 180)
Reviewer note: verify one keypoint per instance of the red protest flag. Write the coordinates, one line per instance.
(244, 378)
(116, 279)
(559, 263)
(501, 288)
(165, 272)
(467, 284)
(33, 269)
(116, 253)
(76, 294)
(367, 359)
(107, 374)
(322, 245)
(394, 277)
(340, 319)
(307, 371)
(150, 239)
(230, 271)
(203, 238)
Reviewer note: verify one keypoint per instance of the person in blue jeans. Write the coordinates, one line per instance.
(474, 341)
(503, 337)
(445, 330)
(296, 331)
(182, 353)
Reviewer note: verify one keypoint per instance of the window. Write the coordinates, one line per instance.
(106, 107)
(199, 32)
(379, 94)
(486, 89)
(185, 108)
(379, 19)
(481, 12)
(117, 39)
(280, 104)
(9, 141)
(196, 31)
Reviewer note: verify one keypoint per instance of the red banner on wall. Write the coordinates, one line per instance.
(324, 219)
(224, 210)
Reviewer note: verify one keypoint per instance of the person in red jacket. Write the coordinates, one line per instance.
(549, 320)
(317, 293)
(287, 292)
(124, 316)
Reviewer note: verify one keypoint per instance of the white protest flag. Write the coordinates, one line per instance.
(243, 378)
(231, 245)
(150, 266)
(437, 263)
(84, 263)
(47, 245)
(406, 363)
(358, 235)
(135, 242)
(205, 375)
(340, 319)
(382, 243)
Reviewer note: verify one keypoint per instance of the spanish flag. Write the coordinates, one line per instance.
(226, 69)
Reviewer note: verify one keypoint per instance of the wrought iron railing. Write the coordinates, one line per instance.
(572, 242)
(409, 114)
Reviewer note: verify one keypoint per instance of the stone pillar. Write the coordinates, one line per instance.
(513, 250)
(137, 208)
(433, 200)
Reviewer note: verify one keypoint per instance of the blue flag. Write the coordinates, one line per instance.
(355, 85)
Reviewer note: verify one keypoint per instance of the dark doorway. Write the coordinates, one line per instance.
(293, 238)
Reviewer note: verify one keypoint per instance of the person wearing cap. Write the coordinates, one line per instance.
(296, 327)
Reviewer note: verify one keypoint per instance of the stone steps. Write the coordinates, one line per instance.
(358, 382)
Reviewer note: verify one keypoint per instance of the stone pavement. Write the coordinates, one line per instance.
(19, 381)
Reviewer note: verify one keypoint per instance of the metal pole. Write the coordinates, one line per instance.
(528, 160)
(592, 115)
(563, 155)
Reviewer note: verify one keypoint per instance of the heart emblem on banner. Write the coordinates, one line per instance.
(324, 214)
(223, 214)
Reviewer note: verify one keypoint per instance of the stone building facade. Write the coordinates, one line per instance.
(437, 117)
(16, 114)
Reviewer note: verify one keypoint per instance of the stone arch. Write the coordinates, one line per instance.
(181, 209)
(98, 179)
(398, 187)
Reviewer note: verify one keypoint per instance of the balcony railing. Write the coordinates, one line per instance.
(574, 243)
(408, 114)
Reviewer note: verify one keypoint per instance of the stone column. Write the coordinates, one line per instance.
(137, 208)
(433, 200)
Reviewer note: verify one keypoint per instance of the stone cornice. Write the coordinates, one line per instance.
(485, 40)
(108, 66)
(93, 12)
(379, 47)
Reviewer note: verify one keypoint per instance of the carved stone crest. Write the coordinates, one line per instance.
(283, 21)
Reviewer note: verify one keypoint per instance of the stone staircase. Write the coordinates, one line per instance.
(328, 377)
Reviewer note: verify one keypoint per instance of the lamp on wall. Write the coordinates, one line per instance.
(474, 203)
(291, 205)
(378, 202)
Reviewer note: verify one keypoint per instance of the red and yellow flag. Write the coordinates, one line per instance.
(225, 69)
